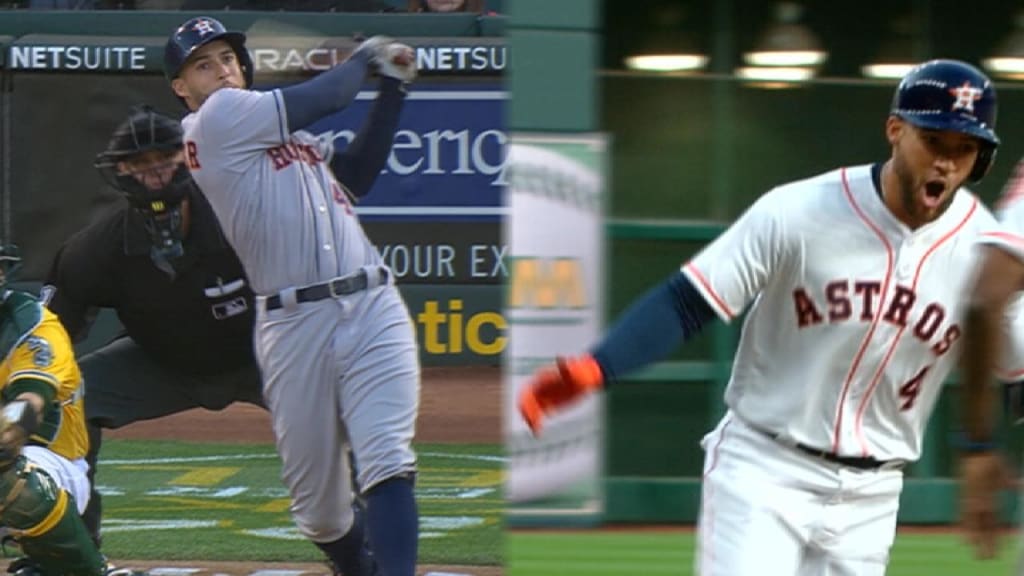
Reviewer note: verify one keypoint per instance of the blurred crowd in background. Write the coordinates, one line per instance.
(419, 6)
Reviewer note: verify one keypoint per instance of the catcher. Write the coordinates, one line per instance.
(43, 483)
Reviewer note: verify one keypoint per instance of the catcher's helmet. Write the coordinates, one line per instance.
(953, 96)
(199, 32)
(10, 260)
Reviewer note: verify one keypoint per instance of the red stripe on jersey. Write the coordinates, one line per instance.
(1012, 238)
(892, 347)
(711, 292)
(874, 321)
(1013, 376)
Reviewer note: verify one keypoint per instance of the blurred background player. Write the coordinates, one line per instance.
(988, 358)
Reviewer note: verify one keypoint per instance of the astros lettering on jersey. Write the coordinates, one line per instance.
(855, 322)
(259, 153)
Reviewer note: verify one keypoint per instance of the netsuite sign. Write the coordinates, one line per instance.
(77, 57)
(449, 151)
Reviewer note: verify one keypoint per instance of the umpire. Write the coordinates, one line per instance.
(162, 263)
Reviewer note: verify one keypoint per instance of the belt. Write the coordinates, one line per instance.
(859, 462)
(332, 289)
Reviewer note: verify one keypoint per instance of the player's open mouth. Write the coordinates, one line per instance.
(933, 191)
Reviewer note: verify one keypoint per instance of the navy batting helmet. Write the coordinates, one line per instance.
(199, 32)
(953, 96)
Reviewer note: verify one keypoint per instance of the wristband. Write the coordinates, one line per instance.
(976, 446)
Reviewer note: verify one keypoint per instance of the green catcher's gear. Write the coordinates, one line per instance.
(44, 520)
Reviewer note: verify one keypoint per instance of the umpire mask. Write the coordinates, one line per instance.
(145, 161)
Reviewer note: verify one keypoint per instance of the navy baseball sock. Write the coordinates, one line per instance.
(392, 523)
(348, 553)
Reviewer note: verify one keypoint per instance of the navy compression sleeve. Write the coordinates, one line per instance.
(652, 327)
(326, 93)
(359, 164)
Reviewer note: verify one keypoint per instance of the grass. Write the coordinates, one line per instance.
(601, 553)
(180, 501)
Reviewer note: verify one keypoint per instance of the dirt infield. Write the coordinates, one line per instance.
(457, 405)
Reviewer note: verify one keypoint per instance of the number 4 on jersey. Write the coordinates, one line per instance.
(910, 390)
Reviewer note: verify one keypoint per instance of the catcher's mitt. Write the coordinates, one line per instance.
(18, 421)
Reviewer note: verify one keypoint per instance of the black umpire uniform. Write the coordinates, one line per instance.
(182, 297)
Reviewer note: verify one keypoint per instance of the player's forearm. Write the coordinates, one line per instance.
(325, 94)
(653, 327)
(1001, 276)
(978, 363)
(360, 163)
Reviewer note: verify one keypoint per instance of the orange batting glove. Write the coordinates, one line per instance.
(553, 388)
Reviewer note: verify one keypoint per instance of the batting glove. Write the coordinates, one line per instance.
(389, 58)
(553, 389)
(399, 63)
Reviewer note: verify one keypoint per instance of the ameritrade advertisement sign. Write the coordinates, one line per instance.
(451, 274)
(448, 158)
(435, 214)
(553, 307)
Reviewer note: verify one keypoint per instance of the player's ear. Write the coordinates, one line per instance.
(893, 129)
(179, 87)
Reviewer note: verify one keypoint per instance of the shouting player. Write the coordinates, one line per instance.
(854, 281)
(333, 337)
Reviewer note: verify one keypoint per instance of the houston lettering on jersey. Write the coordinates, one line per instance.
(858, 299)
(284, 155)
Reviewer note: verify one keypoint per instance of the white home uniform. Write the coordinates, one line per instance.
(334, 367)
(854, 326)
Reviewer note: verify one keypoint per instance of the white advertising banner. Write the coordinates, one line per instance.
(554, 301)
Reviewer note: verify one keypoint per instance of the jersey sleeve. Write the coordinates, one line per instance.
(233, 124)
(45, 355)
(731, 271)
